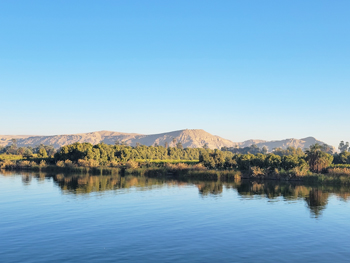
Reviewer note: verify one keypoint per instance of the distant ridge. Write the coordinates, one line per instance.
(270, 145)
(188, 138)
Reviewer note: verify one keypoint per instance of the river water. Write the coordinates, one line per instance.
(76, 218)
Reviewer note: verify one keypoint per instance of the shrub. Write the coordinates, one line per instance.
(256, 171)
(7, 164)
(68, 163)
(88, 163)
(300, 170)
(60, 163)
(42, 163)
(199, 167)
(24, 164)
(114, 164)
(177, 166)
(131, 165)
(339, 171)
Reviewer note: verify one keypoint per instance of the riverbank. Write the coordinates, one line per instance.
(180, 171)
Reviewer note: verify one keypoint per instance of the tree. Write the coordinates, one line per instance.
(42, 153)
(21, 150)
(273, 161)
(264, 150)
(328, 149)
(27, 153)
(317, 159)
(343, 147)
(14, 142)
(12, 149)
(205, 146)
(179, 145)
(174, 142)
(342, 158)
(254, 149)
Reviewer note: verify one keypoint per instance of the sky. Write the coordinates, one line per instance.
(238, 69)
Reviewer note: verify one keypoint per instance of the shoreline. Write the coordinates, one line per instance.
(190, 173)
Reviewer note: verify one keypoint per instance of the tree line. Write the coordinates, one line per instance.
(41, 151)
(315, 159)
(105, 153)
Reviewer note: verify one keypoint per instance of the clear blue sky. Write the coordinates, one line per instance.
(237, 69)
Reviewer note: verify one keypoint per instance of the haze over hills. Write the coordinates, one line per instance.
(188, 138)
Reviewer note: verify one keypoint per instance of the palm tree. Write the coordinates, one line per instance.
(318, 160)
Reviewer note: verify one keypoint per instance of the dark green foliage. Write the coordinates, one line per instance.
(28, 151)
(291, 159)
(42, 153)
(255, 162)
(318, 159)
(104, 153)
(343, 147)
(288, 151)
(179, 145)
(342, 158)
(215, 159)
(253, 149)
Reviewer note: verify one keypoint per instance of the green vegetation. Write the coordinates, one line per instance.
(10, 157)
(315, 163)
(41, 151)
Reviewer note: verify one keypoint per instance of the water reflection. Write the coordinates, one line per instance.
(316, 197)
(317, 201)
(26, 179)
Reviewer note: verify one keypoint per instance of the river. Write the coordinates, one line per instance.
(80, 218)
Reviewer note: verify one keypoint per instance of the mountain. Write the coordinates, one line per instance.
(270, 145)
(188, 138)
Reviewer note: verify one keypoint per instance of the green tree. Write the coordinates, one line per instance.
(317, 159)
(342, 158)
(42, 153)
(179, 145)
(343, 147)
(27, 153)
(264, 150)
(273, 161)
(14, 143)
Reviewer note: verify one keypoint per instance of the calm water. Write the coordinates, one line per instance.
(71, 218)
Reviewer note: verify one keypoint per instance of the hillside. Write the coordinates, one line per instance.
(270, 145)
(188, 138)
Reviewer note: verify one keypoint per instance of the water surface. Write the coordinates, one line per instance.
(76, 218)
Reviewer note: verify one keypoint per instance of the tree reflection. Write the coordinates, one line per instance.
(316, 197)
(316, 201)
(207, 188)
(84, 184)
(26, 179)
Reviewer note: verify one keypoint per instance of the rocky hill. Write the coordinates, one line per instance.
(188, 138)
(270, 145)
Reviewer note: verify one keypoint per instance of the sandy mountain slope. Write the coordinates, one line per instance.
(302, 143)
(188, 138)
